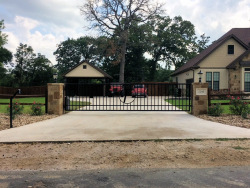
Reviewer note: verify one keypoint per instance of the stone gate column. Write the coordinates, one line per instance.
(200, 98)
(55, 98)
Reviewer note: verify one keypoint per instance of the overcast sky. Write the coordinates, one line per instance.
(43, 24)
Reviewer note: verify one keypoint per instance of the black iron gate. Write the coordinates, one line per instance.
(128, 97)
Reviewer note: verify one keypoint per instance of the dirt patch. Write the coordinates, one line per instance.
(107, 155)
(21, 120)
(233, 120)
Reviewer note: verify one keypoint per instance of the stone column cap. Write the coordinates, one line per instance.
(55, 84)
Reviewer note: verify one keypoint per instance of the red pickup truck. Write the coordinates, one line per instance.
(116, 89)
(139, 90)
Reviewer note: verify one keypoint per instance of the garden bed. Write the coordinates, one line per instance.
(233, 120)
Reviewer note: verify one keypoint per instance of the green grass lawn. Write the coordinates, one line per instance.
(26, 110)
(226, 109)
(182, 104)
(220, 101)
(75, 105)
(26, 100)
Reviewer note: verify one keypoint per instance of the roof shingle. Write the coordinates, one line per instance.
(242, 35)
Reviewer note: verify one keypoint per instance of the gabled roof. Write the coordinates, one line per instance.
(232, 65)
(93, 66)
(241, 35)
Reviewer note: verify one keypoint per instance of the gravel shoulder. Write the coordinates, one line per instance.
(110, 155)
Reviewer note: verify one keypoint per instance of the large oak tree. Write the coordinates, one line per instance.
(115, 18)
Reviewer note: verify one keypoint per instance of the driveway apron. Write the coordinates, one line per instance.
(124, 125)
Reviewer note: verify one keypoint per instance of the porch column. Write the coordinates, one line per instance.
(200, 98)
(55, 98)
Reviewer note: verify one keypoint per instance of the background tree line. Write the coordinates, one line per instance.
(29, 69)
(153, 48)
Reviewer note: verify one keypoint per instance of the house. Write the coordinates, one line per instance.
(225, 64)
(86, 72)
(80, 79)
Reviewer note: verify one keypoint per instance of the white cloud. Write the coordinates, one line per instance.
(212, 17)
(45, 27)
(45, 23)
(41, 43)
(42, 23)
(13, 41)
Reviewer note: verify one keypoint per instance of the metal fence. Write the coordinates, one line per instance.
(128, 97)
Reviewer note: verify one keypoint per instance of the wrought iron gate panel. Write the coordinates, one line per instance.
(128, 97)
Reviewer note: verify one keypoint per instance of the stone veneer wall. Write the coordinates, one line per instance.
(234, 79)
(200, 102)
(55, 98)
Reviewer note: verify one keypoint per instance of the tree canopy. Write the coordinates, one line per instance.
(31, 69)
(153, 49)
(154, 44)
(5, 55)
(116, 17)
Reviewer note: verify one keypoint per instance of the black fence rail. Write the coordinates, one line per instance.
(128, 97)
(8, 96)
(32, 90)
(242, 96)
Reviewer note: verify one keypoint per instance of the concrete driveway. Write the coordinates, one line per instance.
(98, 126)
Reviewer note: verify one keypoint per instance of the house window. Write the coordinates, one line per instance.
(230, 49)
(247, 82)
(209, 79)
(84, 66)
(216, 81)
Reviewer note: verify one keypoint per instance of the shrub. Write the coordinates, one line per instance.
(244, 114)
(238, 106)
(36, 109)
(215, 110)
(16, 108)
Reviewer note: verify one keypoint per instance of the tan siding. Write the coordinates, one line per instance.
(220, 57)
(183, 77)
(189, 75)
(223, 76)
(80, 72)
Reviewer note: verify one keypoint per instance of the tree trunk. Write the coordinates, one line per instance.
(153, 66)
(124, 39)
